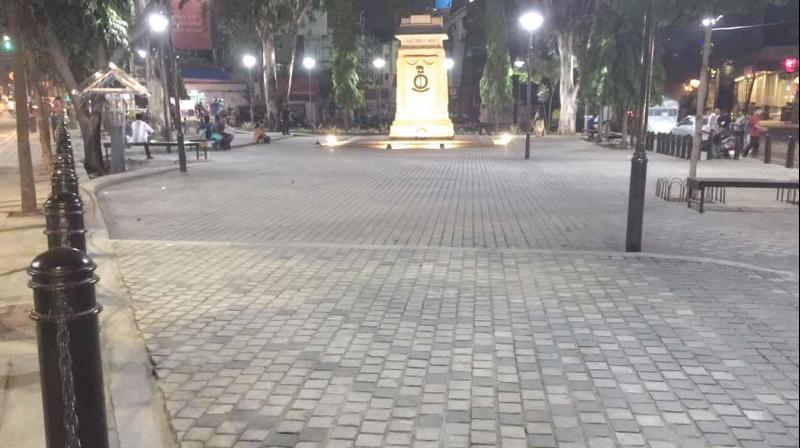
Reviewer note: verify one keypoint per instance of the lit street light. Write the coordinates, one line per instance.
(249, 62)
(449, 63)
(142, 53)
(160, 23)
(530, 22)
(702, 90)
(379, 64)
(519, 63)
(309, 63)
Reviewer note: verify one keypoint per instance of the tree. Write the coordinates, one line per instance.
(571, 23)
(266, 19)
(346, 88)
(496, 84)
(611, 67)
(82, 37)
(26, 182)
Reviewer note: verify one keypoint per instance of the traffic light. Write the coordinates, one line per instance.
(790, 65)
(7, 45)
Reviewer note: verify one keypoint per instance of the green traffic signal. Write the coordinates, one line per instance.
(7, 44)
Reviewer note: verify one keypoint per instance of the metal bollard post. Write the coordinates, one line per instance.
(792, 147)
(767, 149)
(63, 213)
(527, 145)
(64, 157)
(65, 311)
(64, 179)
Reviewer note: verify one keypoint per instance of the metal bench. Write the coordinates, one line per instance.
(702, 183)
(189, 145)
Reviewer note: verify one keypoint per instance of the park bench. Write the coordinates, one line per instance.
(701, 183)
(591, 134)
(190, 145)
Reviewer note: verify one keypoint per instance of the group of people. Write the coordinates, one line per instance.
(723, 132)
(219, 133)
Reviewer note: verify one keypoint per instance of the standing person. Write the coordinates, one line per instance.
(140, 133)
(713, 130)
(756, 131)
(285, 117)
(56, 112)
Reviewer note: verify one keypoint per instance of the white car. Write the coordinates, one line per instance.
(686, 127)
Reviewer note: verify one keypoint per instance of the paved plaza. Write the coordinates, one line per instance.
(293, 296)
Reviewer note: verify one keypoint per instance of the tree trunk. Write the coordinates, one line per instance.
(268, 67)
(44, 127)
(624, 126)
(569, 91)
(27, 185)
(90, 120)
(292, 32)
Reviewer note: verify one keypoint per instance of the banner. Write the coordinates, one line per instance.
(444, 4)
(194, 24)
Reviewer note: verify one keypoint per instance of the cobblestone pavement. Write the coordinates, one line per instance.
(296, 297)
(260, 345)
(572, 195)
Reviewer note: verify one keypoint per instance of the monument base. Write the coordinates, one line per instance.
(408, 129)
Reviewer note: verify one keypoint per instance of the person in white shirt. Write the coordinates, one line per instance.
(140, 133)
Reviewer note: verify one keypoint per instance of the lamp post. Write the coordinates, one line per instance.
(379, 64)
(249, 62)
(638, 182)
(702, 90)
(530, 22)
(160, 23)
(309, 63)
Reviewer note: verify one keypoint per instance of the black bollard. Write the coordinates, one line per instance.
(790, 150)
(63, 213)
(527, 146)
(65, 311)
(738, 145)
(64, 157)
(767, 149)
(64, 179)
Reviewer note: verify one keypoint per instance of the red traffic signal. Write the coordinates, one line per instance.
(790, 65)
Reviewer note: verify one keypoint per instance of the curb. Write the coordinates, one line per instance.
(610, 254)
(100, 183)
(138, 409)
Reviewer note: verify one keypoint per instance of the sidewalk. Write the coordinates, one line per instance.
(136, 414)
(459, 298)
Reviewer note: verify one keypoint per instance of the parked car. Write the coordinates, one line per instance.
(686, 127)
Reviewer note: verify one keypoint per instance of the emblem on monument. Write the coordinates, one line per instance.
(420, 81)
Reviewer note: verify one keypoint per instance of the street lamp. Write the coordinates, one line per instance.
(309, 63)
(519, 63)
(449, 63)
(249, 62)
(142, 53)
(638, 181)
(530, 22)
(379, 63)
(159, 24)
(702, 90)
